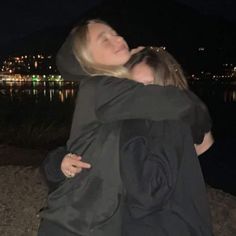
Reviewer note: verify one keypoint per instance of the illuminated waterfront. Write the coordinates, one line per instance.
(51, 88)
(50, 100)
(36, 110)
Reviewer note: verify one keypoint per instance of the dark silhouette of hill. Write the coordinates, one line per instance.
(44, 41)
(180, 28)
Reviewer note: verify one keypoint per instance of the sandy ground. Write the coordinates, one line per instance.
(23, 194)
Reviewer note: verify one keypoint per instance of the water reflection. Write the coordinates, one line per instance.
(215, 92)
(52, 91)
(230, 96)
(59, 91)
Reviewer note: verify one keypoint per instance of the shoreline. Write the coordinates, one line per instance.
(24, 193)
(20, 156)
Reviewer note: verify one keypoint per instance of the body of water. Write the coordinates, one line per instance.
(52, 91)
(221, 102)
(47, 102)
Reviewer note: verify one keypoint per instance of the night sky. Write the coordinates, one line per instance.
(222, 8)
(19, 18)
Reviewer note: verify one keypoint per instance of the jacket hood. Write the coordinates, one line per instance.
(69, 68)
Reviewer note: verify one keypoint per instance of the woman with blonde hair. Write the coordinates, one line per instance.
(91, 202)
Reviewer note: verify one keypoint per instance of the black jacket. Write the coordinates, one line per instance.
(102, 100)
(85, 204)
(165, 190)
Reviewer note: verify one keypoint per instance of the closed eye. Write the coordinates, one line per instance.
(105, 40)
(114, 33)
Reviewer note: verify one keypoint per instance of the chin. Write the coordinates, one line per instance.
(126, 58)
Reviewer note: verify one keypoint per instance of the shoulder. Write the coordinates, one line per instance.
(108, 81)
(196, 100)
(115, 82)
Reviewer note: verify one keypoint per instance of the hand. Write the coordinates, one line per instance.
(136, 50)
(72, 165)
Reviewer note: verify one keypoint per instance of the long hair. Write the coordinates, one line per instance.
(82, 54)
(166, 70)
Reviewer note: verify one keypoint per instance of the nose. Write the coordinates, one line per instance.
(118, 38)
(119, 42)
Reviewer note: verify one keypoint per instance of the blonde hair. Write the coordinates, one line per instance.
(166, 70)
(82, 54)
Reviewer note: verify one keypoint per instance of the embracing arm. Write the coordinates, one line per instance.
(201, 124)
(208, 140)
(119, 99)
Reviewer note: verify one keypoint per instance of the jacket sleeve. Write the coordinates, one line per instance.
(199, 119)
(51, 167)
(147, 176)
(119, 99)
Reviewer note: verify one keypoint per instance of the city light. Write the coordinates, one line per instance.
(201, 49)
(28, 64)
(42, 67)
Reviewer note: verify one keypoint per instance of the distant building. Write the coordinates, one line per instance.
(29, 64)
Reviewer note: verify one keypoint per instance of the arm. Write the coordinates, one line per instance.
(200, 123)
(51, 167)
(208, 140)
(60, 164)
(119, 99)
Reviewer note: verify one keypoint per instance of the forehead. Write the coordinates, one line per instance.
(95, 30)
(141, 67)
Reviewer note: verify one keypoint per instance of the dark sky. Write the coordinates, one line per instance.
(222, 8)
(18, 18)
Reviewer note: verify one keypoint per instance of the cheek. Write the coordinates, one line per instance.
(120, 59)
(143, 74)
(138, 78)
(142, 77)
(108, 57)
(148, 80)
(98, 55)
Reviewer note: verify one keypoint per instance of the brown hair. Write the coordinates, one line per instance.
(166, 69)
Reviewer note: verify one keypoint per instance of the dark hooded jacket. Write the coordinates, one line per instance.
(87, 202)
(165, 193)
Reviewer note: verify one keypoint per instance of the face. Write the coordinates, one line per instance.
(142, 73)
(105, 46)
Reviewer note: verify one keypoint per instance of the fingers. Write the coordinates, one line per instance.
(72, 165)
(136, 50)
(78, 163)
(68, 174)
(72, 171)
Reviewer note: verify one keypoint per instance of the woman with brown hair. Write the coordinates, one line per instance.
(90, 203)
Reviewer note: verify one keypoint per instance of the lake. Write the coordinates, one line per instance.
(53, 102)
